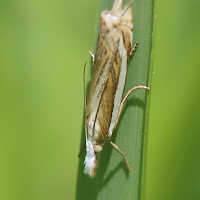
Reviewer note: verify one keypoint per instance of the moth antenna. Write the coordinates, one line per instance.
(98, 109)
(96, 116)
(85, 105)
(84, 87)
(127, 7)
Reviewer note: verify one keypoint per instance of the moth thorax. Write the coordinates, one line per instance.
(97, 148)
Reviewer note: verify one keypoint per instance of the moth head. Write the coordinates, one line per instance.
(90, 159)
(90, 166)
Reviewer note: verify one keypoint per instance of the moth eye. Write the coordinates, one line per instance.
(114, 26)
(97, 148)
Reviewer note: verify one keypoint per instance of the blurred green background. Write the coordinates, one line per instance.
(43, 48)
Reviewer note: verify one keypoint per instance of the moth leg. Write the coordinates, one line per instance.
(92, 55)
(134, 48)
(81, 149)
(122, 103)
(117, 149)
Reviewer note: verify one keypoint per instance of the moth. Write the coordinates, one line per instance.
(104, 105)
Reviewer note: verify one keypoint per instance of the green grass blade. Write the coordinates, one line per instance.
(112, 180)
